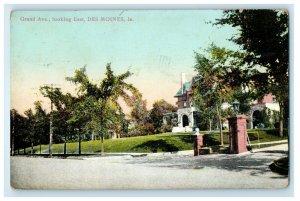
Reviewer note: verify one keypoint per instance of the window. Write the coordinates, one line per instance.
(184, 104)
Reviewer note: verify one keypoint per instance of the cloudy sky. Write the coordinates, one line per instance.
(47, 46)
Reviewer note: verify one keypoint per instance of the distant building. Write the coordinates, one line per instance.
(266, 102)
(186, 111)
(187, 117)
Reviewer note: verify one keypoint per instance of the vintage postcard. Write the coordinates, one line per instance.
(149, 99)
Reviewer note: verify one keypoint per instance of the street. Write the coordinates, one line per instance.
(152, 171)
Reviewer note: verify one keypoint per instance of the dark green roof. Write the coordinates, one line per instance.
(186, 87)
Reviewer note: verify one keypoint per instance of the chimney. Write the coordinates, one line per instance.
(182, 81)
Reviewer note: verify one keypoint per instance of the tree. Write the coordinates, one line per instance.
(30, 120)
(64, 104)
(205, 112)
(102, 97)
(159, 108)
(18, 131)
(263, 35)
(53, 94)
(41, 125)
(244, 98)
(30, 129)
(13, 114)
(213, 86)
(139, 116)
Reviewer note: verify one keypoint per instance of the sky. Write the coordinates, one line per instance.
(156, 46)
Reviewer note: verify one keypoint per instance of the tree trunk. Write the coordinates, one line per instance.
(102, 144)
(31, 148)
(12, 147)
(24, 151)
(13, 141)
(281, 119)
(79, 143)
(50, 137)
(220, 126)
(65, 145)
(40, 143)
(102, 130)
(209, 124)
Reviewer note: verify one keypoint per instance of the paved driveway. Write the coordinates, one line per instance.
(154, 171)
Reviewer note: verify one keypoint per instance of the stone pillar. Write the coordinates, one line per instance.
(192, 119)
(198, 142)
(181, 120)
(237, 134)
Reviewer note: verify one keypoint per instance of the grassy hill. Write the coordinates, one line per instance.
(165, 142)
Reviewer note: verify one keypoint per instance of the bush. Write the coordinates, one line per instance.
(166, 128)
(210, 140)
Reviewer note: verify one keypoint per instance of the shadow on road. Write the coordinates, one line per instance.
(256, 164)
(156, 145)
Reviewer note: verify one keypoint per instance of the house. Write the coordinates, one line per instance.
(254, 115)
(186, 112)
(187, 117)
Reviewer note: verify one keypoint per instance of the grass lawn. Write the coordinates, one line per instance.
(165, 142)
(255, 136)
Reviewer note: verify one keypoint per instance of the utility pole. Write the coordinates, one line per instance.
(51, 120)
(40, 135)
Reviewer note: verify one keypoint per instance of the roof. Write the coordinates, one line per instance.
(186, 87)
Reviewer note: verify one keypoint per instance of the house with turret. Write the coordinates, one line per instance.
(187, 117)
(186, 111)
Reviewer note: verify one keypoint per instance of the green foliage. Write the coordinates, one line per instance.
(165, 142)
(64, 105)
(41, 124)
(214, 84)
(18, 131)
(244, 98)
(159, 108)
(255, 136)
(98, 105)
(266, 118)
(95, 109)
(31, 129)
(30, 119)
(139, 116)
(264, 37)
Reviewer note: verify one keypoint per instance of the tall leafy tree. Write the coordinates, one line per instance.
(213, 87)
(64, 105)
(41, 125)
(30, 121)
(18, 131)
(206, 112)
(102, 96)
(264, 36)
(139, 116)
